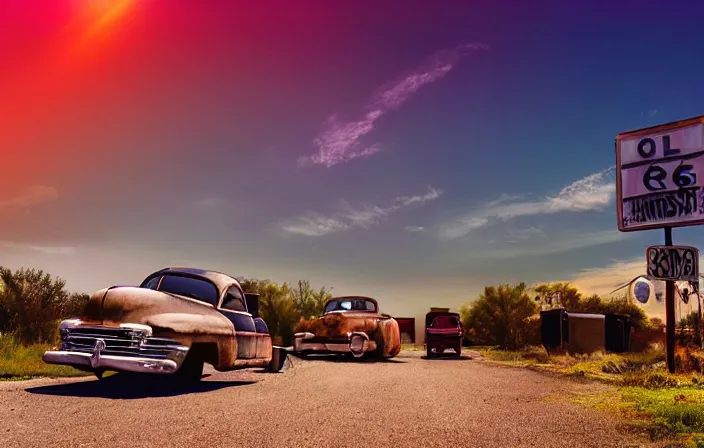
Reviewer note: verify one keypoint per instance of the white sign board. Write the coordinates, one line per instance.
(678, 263)
(660, 175)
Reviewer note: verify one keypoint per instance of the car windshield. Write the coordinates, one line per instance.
(350, 305)
(194, 288)
(445, 322)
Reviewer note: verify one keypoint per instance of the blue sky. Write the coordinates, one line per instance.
(413, 155)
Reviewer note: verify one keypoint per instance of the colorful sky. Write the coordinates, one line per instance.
(413, 154)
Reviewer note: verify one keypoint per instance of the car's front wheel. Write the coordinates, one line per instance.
(191, 369)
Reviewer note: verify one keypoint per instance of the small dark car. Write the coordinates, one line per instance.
(443, 330)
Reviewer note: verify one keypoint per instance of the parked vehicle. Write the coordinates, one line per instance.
(174, 322)
(443, 330)
(350, 325)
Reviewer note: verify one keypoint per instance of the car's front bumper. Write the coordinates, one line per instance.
(128, 347)
(307, 342)
(97, 361)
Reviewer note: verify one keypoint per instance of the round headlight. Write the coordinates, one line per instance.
(357, 344)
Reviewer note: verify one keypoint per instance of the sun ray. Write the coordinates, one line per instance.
(103, 16)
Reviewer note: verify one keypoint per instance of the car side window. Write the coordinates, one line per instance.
(153, 283)
(234, 300)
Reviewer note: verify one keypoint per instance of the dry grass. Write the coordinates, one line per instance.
(665, 406)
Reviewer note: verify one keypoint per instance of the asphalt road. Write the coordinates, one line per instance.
(404, 402)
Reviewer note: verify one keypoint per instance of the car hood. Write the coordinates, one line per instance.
(128, 304)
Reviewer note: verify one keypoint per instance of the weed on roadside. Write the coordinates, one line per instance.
(19, 361)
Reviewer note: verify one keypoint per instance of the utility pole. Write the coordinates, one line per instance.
(699, 315)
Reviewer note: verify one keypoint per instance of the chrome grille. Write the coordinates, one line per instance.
(118, 341)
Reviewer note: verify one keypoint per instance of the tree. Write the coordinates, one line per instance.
(32, 303)
(276, 306)
(309, 302)
(500, 316)
(559, 294)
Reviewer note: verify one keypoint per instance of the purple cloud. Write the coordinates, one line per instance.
(340, 142)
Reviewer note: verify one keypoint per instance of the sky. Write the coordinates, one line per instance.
(415, 154)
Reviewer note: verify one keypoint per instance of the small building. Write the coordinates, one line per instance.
(586, 333)
(580, 333)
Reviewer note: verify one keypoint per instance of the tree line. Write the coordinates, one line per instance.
(32, 303)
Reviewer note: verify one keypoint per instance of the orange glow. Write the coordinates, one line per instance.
(103, 16)
(44, 81)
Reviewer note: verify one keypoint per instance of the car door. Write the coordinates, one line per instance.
(233, 307)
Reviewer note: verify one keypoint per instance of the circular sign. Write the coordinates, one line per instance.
(641, 290)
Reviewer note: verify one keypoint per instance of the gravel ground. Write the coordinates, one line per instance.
(405, 402)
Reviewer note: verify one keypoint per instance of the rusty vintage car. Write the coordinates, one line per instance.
(349, 325)
(174, 322)
(443, 330)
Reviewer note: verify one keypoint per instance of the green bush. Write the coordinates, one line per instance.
(499, 317)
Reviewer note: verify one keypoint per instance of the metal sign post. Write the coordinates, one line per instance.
(659, 179)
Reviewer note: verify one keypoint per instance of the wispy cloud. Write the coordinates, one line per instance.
(561, 245)
(30, 196)
(314, 224)
(364, 215)
(593, 192)
(414, 229)
(341, 140)
(528, 233)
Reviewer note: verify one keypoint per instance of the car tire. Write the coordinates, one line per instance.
(458, 349)
(191, 370)
(380, 346)
(428, 351)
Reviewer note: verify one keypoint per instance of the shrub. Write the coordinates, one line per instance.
(499, 316)
(32, 303)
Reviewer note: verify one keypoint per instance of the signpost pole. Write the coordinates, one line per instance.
(670, 312)
(699, 320)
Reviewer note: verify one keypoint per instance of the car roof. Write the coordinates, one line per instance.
(220, 280)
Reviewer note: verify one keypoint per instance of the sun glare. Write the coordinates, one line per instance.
(102, 17)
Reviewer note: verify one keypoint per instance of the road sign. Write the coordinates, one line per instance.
(641, 290)
(660, 176)
(675, 263)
